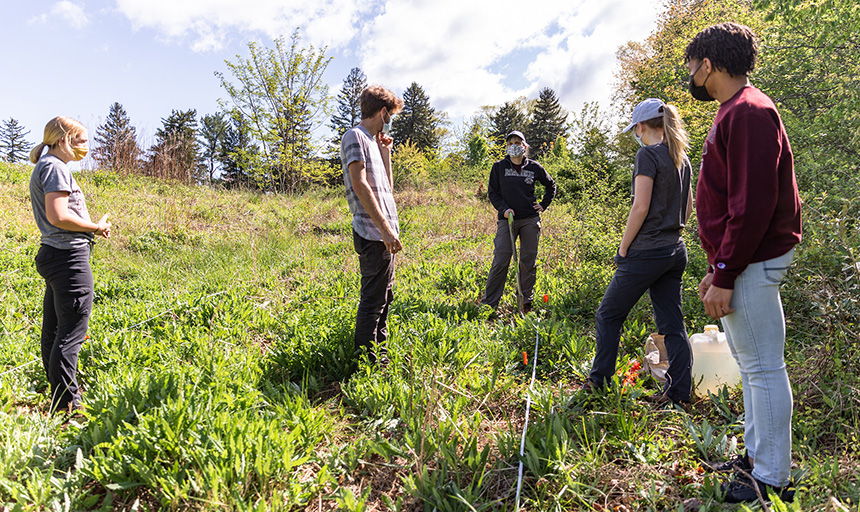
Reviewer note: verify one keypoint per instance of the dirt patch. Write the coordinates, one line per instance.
(380, 477)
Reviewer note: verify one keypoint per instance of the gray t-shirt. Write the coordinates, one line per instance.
(52, 175)
(667, 213)
(358, 146)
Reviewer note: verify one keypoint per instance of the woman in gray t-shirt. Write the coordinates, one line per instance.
(63, 261)
(652, 256)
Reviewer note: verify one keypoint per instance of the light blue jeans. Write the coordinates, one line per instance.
(756, 335)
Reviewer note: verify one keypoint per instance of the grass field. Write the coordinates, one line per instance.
(219, 375)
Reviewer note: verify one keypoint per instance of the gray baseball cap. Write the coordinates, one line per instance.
(518, 134)
(648, 109)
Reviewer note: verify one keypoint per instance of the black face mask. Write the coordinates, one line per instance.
(700, 92)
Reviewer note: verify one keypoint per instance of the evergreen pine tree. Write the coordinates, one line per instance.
(348, 112)
(13, 146)
(418, 122)
(236, 153)
(508, 118)
(548, 122)
(175, 155)
(212, 130)
(116, 141)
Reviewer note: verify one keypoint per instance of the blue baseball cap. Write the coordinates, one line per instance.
(648, 109)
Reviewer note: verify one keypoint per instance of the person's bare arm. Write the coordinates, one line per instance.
(638, 212)
(689, 205)
(57, 211)
(385, 142)
(358, 175)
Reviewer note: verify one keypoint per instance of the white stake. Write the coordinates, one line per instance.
(526, 426)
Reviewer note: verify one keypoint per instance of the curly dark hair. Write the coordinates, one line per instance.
(729, 46)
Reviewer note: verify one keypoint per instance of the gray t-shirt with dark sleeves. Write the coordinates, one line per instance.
(52, 175)
(667, 212)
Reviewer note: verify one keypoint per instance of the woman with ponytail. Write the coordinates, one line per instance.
(652, 255)
(63, 259)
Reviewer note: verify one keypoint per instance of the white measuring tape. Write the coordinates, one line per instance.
(526, 426)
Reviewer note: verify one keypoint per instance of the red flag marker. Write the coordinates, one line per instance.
(525, 359)
(545, 298)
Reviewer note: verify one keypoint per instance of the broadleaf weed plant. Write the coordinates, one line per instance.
(220, 372)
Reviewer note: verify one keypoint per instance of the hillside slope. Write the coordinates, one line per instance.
(219, 374)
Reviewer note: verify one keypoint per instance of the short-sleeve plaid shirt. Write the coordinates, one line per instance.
(357, 145)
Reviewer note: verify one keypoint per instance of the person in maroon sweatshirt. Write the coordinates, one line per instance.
(749, 222)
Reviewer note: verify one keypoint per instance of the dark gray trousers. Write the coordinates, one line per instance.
(66, 312)
(377, 281)
(528, 232)
(659, 272)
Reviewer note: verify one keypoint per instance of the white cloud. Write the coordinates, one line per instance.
(464, 53)
(452, 48)
(64, 11)
(581, 69)
(208, 24)
(566, 45)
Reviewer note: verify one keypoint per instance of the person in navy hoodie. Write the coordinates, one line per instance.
(512, 192)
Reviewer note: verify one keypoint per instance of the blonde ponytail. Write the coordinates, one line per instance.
(57, 129)
(36, 152)
(674, 133)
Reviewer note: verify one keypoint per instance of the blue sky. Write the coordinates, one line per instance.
(76, 57)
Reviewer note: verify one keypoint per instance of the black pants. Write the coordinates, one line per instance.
(377, 279)
(67, 305)
(658, 271)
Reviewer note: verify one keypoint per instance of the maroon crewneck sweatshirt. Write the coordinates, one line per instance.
(746, 197)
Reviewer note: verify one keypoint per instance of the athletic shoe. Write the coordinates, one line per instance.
(590, 386)
(737, 462)
(745, 488)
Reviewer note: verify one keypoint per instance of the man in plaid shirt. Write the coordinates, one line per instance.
(365, 152)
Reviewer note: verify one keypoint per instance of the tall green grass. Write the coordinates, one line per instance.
(219, 372)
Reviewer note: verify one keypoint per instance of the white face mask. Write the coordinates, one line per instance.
(516, 150)
(386, 126)
(637, 137)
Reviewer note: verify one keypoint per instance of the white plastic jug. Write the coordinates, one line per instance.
(713, 363)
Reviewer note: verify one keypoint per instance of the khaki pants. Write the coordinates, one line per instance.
(528, 232)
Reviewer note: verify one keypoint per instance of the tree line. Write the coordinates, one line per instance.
(262, 135)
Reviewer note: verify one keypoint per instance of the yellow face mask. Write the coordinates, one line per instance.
(79, 152)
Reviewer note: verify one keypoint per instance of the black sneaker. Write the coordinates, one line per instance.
(590, 386)
(382, 362)
(727, 466)
(74, 412)
(745, 488)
